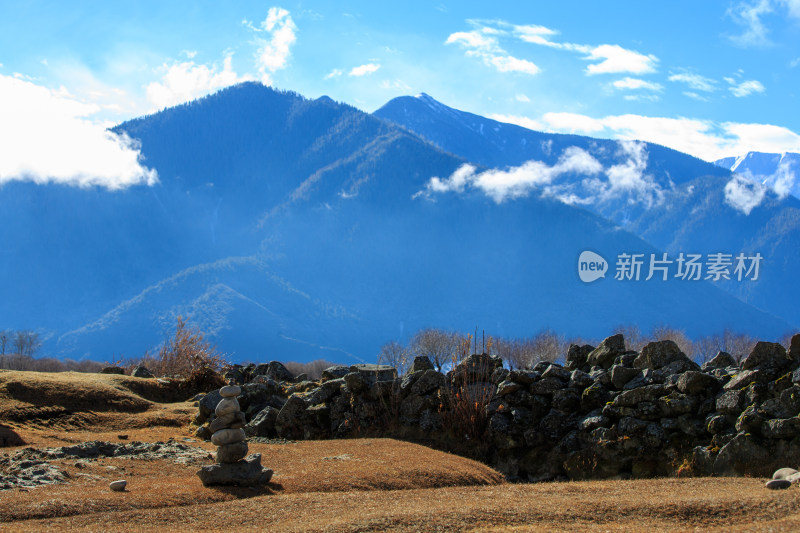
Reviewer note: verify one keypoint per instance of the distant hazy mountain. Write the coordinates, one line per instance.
(778, 171)
(289, 228)
(674, 201)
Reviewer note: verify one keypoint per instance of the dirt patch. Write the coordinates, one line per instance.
(72, 400)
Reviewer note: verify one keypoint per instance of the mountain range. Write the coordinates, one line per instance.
(292, 228)
(780, 172)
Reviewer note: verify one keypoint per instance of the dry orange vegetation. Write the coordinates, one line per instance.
(345, 485)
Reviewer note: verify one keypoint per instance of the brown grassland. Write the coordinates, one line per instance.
(343, 485)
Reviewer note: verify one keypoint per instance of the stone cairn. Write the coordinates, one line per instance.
(233, 466)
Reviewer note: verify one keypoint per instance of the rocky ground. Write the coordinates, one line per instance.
(66, 446)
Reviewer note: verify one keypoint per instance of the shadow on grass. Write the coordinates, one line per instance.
(9, 437)
(249, 492)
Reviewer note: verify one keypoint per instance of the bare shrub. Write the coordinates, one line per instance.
(634, 339)
(47, 364)
(312, 369)
(739, 345)
(438, 345)
(185, 355)
(525, 353)
(663, 333)
(463, 400)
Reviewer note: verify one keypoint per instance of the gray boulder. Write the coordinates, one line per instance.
(621, 375)
(141, 372)
(781, 428)
(697, 383)
(608, 350)
(744, 379)
(263, 424)
(576, 356)
(659, 354)
(420, 363)
(769, 357)
(744, 454)
(245, 473)
(721, 360)
(335, 372)
(731, 402)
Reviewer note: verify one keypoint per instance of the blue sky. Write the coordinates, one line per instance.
(708, 78)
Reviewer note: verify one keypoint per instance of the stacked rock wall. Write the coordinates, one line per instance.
(607, 412)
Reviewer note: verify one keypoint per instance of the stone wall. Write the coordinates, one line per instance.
(605, 413)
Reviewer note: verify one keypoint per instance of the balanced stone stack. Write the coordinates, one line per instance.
(227, 433)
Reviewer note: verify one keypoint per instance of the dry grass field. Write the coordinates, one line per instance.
(344, 485)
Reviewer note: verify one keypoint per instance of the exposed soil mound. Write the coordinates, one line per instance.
(78, 400)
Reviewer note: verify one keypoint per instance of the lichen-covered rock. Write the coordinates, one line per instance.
(335, 372)
(731, 402)
(697, 383)
(659, 354)
(605, 353)
(621, 375)
(721, 360)
(263, 424)
(781, 428)
(743, 379)
(769, 355)
(576, 356)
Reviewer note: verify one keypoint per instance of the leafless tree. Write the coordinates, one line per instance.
(634, 340)
(395, 355)
(440, 346)
(739, 345)
(5, 338)
(26, 343)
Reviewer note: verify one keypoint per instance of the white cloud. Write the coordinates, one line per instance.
(274, 51)
(396, 85)
(516, 182)
(525, 122)
(743, 194)
(784, 181)
(749, 15)
(541, 35)
(484, 45)
(694, 81)
(473, 40)
(47, 137)
(522, 98)
(629, 177)
(335, 73)
(745, 88)
(616, 59)
(702, 138)
(363, 70)
(573, 123)
(793, 7)
(187, 81)
(694, 96)
(637, 83)
(513, 64)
